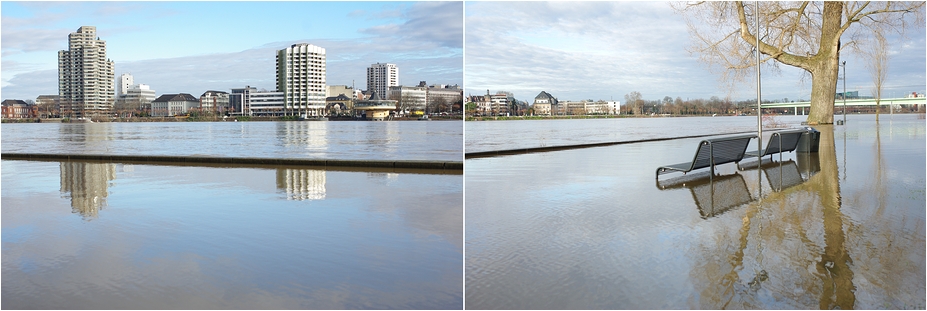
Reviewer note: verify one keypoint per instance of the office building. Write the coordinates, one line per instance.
(85, 75)
(216, 102)
(301, 79)
(410, 98)
(168, 105)
(380, 77)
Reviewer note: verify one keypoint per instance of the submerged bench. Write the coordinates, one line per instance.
(779, 142)
(712, 152)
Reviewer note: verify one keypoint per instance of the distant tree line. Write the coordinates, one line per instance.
(635, 105)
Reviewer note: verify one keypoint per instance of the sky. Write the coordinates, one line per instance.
(192, 47)
(605, 50)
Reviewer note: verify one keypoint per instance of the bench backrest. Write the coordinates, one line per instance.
(788, 140)
(723, 150)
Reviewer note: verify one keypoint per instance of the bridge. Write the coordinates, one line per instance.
(891, 102)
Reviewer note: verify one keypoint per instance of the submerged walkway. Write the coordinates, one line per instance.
(379, 164)
(494, 153)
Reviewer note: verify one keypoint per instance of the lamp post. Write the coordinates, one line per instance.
(844, 92)
(759, 107)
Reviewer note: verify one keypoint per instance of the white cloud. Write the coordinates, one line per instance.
(426, 43)
(602, 50)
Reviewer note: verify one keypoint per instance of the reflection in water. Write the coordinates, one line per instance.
(833, 267)
(384, 139)
(782, 174)
(311, 135)
(716, 194)
(301, 184)
(87, 185)
(791, 239)
(713, 194)
(187, 237)
(545, 231)
(808, 164)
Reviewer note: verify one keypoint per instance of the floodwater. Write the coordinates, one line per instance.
(92, 235)
(343, 140)
(484, 135)
(95, 235)
(593, 229)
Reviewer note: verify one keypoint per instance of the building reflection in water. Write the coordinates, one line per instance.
(87, 185)
(310, 135)
(301, 184)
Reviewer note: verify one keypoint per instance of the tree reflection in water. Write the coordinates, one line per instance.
(789, 249)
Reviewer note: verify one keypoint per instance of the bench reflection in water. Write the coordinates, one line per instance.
(713, 194)
(782, 175)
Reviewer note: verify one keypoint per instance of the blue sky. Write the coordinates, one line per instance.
(191, 47)
(604, 50)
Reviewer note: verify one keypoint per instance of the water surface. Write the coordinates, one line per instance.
(91, 235)
(593, 229)
(348, 140)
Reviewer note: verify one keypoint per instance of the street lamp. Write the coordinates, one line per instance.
(844, 92)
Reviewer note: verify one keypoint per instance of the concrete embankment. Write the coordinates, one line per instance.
(494, 153)
(403, 165)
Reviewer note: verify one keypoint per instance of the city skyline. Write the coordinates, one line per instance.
(175, 48)
(604, 50)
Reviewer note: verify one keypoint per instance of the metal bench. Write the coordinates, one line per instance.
(712, 152)
(779, 142)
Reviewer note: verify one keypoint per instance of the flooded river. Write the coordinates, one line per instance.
(95, 235)
(346, 140)
(89, 235)
(593, 229)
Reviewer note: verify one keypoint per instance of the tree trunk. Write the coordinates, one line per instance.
(824, 66)
(823, 90)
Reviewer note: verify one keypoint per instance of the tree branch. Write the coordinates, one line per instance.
(775, 52)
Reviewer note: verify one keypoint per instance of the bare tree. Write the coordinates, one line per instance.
(878, 66)
(805, 35)
(406, 103)
(635, 102)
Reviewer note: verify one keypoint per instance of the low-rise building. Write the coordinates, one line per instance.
(613, 107)
(173, 104)
(216, 102)
(335, 90)
(442, 97)
(493, 104)
(544, 103)
(410, 98)
(339, 104)
(18, 109)
(238, 100)
(263, 103)
(134, 99)
(49, 106)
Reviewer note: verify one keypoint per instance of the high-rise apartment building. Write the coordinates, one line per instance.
(301, 79)
(124, 82)
(380, 77)
(85, 75)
